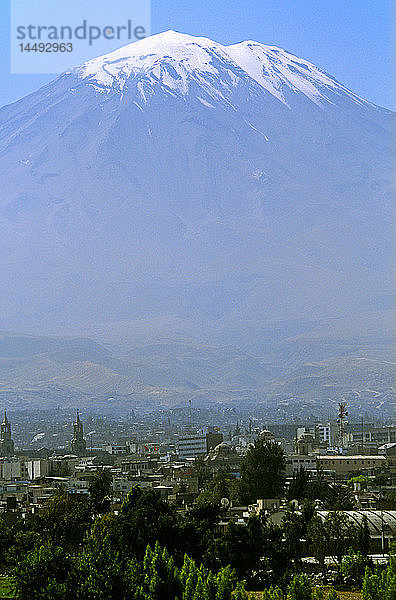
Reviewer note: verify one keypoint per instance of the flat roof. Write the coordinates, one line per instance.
(351, 457)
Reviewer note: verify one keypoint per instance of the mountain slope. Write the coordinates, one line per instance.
(234, 190)
(48, 372)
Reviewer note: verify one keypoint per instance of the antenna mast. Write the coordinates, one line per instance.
(342, 414)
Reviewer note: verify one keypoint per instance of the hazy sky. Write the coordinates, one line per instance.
(350, 39)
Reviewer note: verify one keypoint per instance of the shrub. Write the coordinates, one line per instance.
(300, 588)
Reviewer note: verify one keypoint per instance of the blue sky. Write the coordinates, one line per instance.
(350, 39)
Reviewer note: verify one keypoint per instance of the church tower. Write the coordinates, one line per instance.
(78, 444)
(6, 443)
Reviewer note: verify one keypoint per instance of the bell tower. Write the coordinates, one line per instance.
(6, 442)
(78, 444)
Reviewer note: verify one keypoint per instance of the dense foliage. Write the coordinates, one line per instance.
(380, 584)
(262, 471)
(77, 548)
(100, 574)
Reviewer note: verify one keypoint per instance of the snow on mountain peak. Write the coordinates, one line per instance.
(172, 59)
(169, 57)
(276, 69)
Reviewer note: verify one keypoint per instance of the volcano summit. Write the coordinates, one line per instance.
(235, 195)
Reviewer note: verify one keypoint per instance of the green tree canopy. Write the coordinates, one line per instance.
(146, 518)
(99, 490)
(262, 471)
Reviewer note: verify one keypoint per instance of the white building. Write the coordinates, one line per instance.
(11, 469)
(37, 468)
(115, 449)
(323, 433)
(191, 446)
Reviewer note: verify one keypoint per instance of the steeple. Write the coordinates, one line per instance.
(78, 427)
(5, 428)
(78, 444)
(6, 442)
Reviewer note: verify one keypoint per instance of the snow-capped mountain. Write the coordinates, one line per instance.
(175, 60)
(193, 189)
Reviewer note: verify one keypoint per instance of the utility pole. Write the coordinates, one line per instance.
(382, 523)
(342, 414)
(190, 414)
(362, 434)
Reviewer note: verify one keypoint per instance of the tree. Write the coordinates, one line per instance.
(274, 564)
(22, 542)
(233, 548)
(294, 531)
(300, 588)
(340, 534)
(338, 497)
(331, 536)
(262, 471)
(317, 536)
(273, 593)
(99, 491)
(317, 488)
(353, 567)
(201, 471)
(298, 488)
(222, 485)
(198, 529)
(145, 518)
(372, 587)
(226, 582)
(362, 479)
(5, 541)
(65, 520)
(241, 547)
(99, 573)
(318, 594)
(155, 577)
(380, 586)
(43, 573)
(239, 592)
(363, 537)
